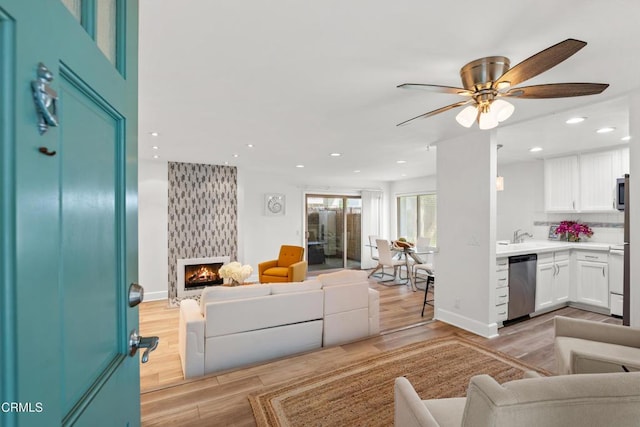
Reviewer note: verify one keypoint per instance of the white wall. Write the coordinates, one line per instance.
(152, 229)
(260, 236)
(466, 233)
(521, 200)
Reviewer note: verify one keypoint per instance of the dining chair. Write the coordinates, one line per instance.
(375, 256)
(385, 259)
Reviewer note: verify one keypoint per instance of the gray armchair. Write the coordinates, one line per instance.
(583, 346)
(566, 400)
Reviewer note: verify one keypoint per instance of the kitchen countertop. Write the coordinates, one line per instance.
(542, 246)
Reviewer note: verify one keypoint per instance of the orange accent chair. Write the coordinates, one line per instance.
(289, 267)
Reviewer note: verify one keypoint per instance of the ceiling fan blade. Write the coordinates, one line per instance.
(557, 90)
(438, 111)
(437, 88)
(541, 62)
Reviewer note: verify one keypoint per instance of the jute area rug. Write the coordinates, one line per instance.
(361, 394)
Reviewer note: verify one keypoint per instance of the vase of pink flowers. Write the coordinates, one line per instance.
(573, 230)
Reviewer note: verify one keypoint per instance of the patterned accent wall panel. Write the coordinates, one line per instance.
(203, 214)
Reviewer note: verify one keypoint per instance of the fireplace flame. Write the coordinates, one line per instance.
(203, 274)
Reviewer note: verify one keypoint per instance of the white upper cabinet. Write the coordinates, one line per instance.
(597, 181)
(561, 184)
(584, 183)
(622, 166)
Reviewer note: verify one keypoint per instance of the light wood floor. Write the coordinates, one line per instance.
(221, 400)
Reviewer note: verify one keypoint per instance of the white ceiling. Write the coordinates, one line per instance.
(300, 79)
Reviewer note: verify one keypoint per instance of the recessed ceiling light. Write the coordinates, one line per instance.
(626, 138)
(535, 149)
(574, 120)
(401, 161)
(155, 147)
(299, 166)
(335, 154)
(404, 174)
(356, 171)
(154, 134)
(226, 163)
(605, 130)
(250, 145)
(236, 155)
(156, 157)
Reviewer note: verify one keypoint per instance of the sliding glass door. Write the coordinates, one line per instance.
(333, 235)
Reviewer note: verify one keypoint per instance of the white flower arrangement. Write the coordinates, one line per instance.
(235, 271)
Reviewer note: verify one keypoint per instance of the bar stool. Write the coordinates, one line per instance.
(431, 278)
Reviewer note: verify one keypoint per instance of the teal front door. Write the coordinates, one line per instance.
(68, 217)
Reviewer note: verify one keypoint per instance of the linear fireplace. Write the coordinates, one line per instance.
(196, 273)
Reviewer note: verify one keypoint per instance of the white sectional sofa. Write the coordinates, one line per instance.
(236, 326)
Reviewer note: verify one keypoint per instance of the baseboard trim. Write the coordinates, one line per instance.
(156, 296)
(485, 330)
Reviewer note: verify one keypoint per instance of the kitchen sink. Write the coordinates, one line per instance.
(531, 245)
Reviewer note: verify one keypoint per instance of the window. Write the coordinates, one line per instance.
(417, 217)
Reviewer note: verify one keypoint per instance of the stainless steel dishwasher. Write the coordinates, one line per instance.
(522, 285)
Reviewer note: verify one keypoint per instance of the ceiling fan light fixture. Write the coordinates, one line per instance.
(502, 109)
(488, 120)
(467, 116)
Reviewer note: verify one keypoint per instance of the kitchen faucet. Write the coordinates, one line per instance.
(519, 237)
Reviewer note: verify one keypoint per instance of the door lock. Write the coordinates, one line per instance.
(136, 342)
(136, 294)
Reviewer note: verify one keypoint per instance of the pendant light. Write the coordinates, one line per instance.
(499, 179)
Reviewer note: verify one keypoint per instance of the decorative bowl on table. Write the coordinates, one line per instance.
(402, 243)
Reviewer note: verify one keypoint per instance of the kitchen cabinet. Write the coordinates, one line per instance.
(561, 184)
(552, 279)
(584, 183)
(592, 278)
(597, 181)
(598, 174)
(502, 289)
(616, 279)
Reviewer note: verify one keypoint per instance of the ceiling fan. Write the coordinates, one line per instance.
(487, 80)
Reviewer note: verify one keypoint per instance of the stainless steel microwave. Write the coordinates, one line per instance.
(620, 199)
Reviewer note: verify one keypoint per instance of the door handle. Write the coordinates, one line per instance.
(136, 342)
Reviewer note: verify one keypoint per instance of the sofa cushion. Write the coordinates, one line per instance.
(564, 400)
(242, 315)
(285, 288)
(597, 352)
(447, 412)
(343, 277)
(223, 293)
(277, 271)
